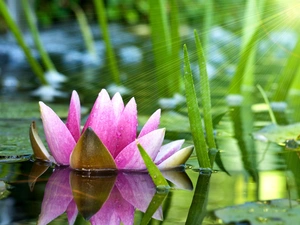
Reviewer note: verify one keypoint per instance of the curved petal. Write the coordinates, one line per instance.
(73, 120)
(176, 160)
(58, 136)
(118, 105)
(130, 158)
(115, 210)
(90, 154)
(57, 197)
(167, 150)
(138, 189)
(102, 120)
(39, 149)
(127, 126)
(151, 124)
(72, 212)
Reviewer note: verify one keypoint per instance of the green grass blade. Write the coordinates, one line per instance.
(176, 47)
(156, 201)
(37, 69)
(271, 113)
(161, 45)
(156, 175)
(36, 37)
(102, 21)
(85, 29)
(208, 22)
(288, 76)
(194, 114)
(238, 78)
(205, 94)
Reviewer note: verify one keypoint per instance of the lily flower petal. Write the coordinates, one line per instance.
(138, 189)
(167, 150)
(151, 124)
(57, 196)
(115, 210)
(74, 115)
(72, 212)
(177, 159)
(118, 105)
(130, 158)
(102, 120)
(127, 126)
(58, 136)
(91, 154)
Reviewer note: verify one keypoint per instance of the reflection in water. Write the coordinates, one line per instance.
(103, 198)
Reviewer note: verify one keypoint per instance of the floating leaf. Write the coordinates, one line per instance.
(91, 154)
(278, 133)
(279, 211)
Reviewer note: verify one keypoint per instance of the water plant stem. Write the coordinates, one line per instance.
(271, 113)
(102, 21)
(175, 45)
(197, 210)
(288, 75)
(37, 69)
(36, 37)
(85, 29)
(205, 94)
(194, 114)
(161, 46)
(238, 78)
(208, 22)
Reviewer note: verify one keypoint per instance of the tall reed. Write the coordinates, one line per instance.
(85, 30)
(37, 69)
(205, 94)
(194, 115)
(36, 37)
(111, 58)
(288, 75)
(165, 43)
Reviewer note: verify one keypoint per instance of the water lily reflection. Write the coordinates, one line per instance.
(101, 199)
(108, 140)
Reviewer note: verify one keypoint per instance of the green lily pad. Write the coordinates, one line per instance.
(278, 133)
(279, 211)
(26, 110)
(14, 138)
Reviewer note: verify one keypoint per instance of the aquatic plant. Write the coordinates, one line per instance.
(36, 67)
(108, 140)
(165, 47)
(111, 58)
(202, 145)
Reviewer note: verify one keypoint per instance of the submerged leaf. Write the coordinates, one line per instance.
(91, 154)
(278, 133)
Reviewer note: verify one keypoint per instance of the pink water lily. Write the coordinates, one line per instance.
(108, 139)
